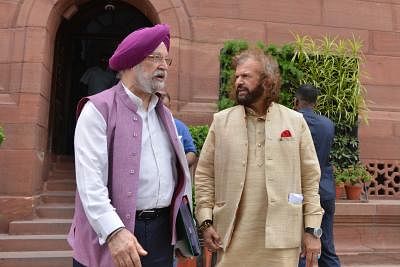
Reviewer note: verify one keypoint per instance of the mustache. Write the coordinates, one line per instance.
(160, 74)
(241, 88)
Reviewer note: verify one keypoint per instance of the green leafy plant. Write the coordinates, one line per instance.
(199, 134)
(230, 49)
(2, 136)
(354, 174)
(334, 67)
(340, 180)
(344, 151)
(225, 102)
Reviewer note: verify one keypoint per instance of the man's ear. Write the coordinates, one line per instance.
(296, 103)
(268, 85)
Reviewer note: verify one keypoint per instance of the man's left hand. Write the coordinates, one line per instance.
(311, 249)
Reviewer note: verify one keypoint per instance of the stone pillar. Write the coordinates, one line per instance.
(25, 78)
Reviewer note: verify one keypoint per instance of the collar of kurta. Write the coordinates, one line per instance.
(249, 112)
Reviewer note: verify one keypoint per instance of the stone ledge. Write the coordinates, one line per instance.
(369, 227)
(376, 259)
(373, 211)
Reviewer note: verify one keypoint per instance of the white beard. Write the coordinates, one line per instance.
(146, 82)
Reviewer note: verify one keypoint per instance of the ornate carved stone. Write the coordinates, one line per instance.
(385, 183)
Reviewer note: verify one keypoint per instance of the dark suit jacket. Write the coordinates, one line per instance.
(322, 131)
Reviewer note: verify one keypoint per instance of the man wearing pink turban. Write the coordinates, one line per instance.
(131, 170)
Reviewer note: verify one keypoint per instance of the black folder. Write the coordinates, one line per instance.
(188, 240)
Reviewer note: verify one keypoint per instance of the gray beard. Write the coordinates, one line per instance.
(146, 82)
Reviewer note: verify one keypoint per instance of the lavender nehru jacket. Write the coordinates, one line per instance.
(124, 131)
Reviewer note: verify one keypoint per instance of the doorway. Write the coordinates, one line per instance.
(82, 44)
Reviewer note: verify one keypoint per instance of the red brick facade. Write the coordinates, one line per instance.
(28, 31)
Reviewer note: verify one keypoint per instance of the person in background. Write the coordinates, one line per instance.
(98, 78)
(256, 181)
(131, 170)
(322, 131)
(183, 133)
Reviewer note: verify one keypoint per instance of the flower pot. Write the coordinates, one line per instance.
(340, 192)
(353, 192)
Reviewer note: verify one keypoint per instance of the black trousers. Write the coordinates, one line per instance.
(155, 237)
(76, 264)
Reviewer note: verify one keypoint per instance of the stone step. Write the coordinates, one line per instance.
(33, 242)
(58, 197)
(40, 227)
(62, 175)
(36, 259)
(60, 185)
(63, 165)
(367, 228)
(56, 210)
(371, 259)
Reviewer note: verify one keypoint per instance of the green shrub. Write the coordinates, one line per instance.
(344, 151)
(199, 134)
(2, 137)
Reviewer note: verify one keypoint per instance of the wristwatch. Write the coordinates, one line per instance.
(316, 232)
(205, 225)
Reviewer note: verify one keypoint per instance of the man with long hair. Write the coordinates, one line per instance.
(257, 177)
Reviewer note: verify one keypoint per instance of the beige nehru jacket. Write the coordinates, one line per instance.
(291, 166)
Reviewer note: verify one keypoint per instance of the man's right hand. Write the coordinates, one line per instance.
(212, 240)
(125, 249)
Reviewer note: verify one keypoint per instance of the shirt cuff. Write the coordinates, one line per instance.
(313, 221)
(204, 214)
(106, 224)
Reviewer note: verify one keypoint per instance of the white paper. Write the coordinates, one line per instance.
(295, 198)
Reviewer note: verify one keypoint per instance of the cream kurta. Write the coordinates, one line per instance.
(247, 246)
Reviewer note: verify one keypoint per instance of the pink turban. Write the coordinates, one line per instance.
(138, 45)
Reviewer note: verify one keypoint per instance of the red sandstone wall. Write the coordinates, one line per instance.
(199, 27)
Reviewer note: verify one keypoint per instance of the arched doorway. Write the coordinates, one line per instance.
(82, 41)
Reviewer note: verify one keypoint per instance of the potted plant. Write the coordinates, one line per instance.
(355, 176)
(340, 180)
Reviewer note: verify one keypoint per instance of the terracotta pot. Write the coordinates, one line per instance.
(340, 192)
(353, 192)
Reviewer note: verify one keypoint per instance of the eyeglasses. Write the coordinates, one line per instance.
(159, 59)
